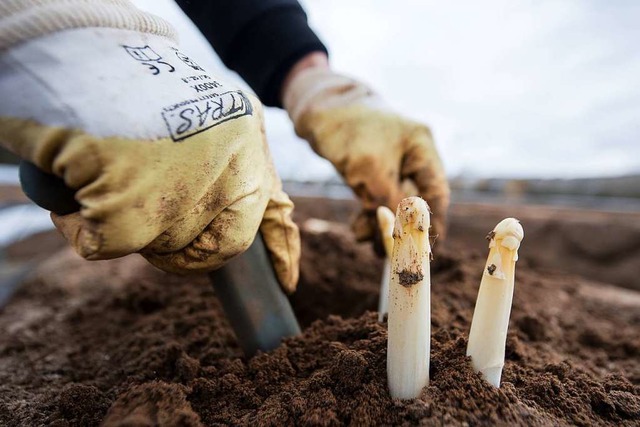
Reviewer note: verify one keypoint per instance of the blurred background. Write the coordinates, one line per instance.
(547, 89)
(539, 100)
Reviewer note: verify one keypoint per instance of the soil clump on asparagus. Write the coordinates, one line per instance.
(121, 343)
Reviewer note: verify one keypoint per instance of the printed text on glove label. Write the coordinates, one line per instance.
(193, 116)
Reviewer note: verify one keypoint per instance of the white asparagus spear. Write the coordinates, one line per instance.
(385, 222)
(488, 335)
(409, 321)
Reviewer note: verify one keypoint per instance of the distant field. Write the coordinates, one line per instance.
(623, 186)
(620, 194)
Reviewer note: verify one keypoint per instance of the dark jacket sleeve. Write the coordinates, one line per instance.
(259, 39)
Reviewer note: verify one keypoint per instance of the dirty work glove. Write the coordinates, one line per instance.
(379, 153)
(167, 159)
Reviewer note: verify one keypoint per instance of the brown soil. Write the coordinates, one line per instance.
(121, 343)
(601, 245)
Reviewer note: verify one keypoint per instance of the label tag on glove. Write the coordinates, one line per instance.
(194, 116)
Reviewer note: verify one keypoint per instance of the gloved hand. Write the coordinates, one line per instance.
(378, 152)
(167, 159)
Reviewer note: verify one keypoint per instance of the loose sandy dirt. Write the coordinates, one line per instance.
(121, 343)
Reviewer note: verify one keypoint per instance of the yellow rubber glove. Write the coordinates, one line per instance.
(167, 160)
(379, 153)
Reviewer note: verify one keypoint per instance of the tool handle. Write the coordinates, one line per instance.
(46, 190)
(257, 308)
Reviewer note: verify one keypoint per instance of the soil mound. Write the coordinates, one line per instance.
(123, 344)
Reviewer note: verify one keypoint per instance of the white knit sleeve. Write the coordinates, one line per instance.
(22, 20)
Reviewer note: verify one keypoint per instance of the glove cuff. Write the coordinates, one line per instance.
(320, 89)
(22, 20)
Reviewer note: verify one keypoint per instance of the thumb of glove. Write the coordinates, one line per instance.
(282, 239)
(77, 231)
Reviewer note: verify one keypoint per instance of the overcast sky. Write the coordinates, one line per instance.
(509, 88)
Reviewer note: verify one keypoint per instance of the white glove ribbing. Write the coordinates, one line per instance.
(22, 20)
